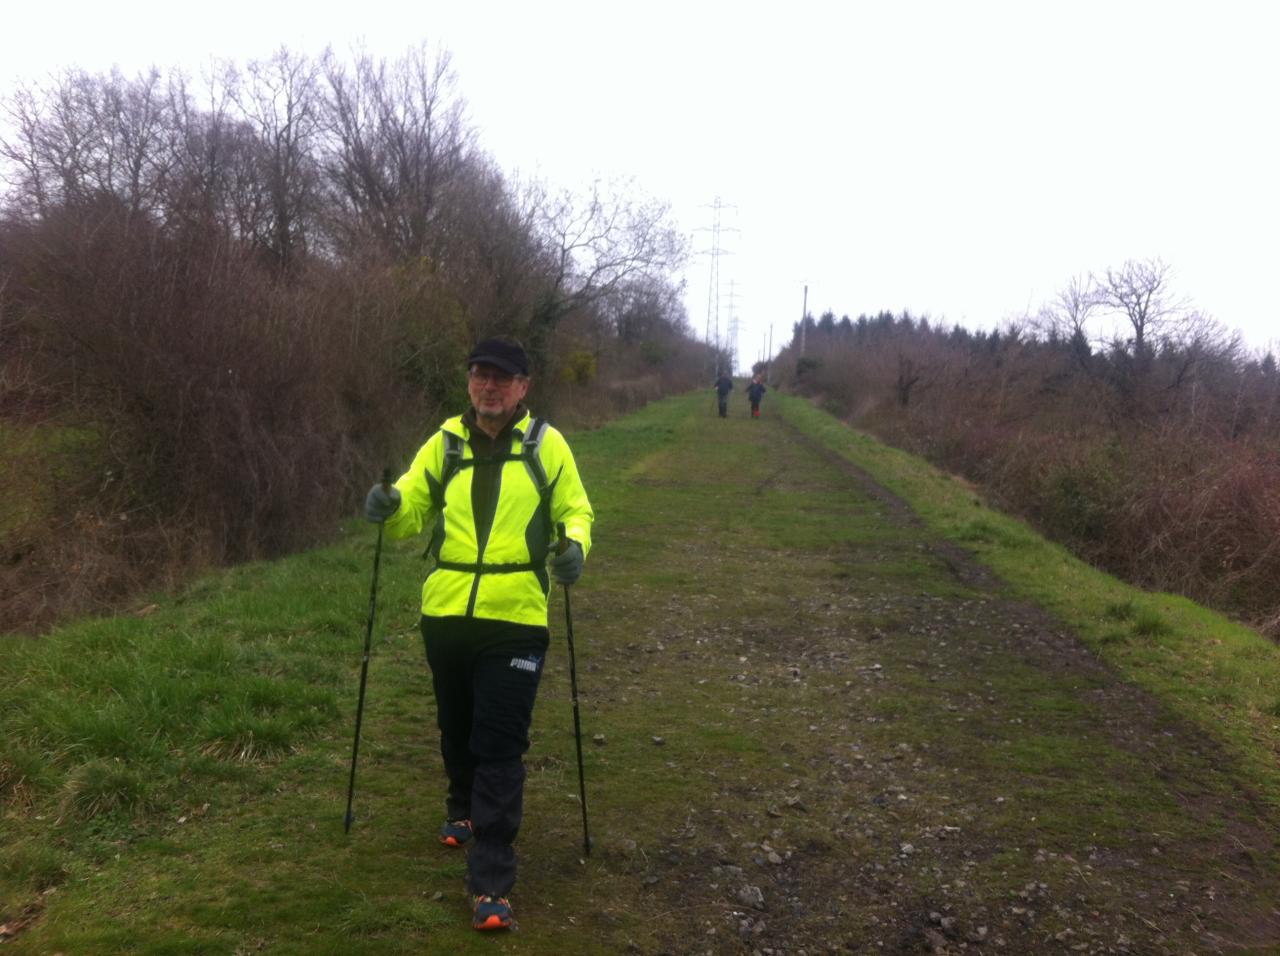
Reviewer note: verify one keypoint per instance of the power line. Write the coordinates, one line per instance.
(713, 285)
(733, 324)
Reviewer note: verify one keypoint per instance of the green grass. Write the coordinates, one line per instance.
(819, 681)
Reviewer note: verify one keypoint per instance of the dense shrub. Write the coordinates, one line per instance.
(246, 310)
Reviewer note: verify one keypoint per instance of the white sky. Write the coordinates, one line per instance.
(959, 159)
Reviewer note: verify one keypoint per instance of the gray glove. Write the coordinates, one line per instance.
(379, 505)
(567, 565)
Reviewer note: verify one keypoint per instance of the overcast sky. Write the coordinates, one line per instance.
(958, 159)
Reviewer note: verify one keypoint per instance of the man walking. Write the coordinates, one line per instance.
(723, 386)
(755, 392)
(491, 485)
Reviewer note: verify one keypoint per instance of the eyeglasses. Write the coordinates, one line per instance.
(496, 378)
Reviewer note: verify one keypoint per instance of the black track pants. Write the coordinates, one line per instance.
(485, 675)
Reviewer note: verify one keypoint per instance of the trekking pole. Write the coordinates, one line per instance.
(573, 688)
(364, 663)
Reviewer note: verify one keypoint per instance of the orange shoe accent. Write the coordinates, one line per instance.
(490, 912)
(455, 833)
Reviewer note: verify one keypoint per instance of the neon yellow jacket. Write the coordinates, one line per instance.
(523, 531)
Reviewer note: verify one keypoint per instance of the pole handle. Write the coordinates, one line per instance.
(562, 545)
(386, 480)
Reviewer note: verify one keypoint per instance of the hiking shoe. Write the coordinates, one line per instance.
(490, 912)
(455, 832)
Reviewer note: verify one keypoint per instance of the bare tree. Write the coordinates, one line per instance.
(279, 97)
(603, 239)
(63, 140)
(134, 139)
(214, 185)
(644, 310)
(909, 373)
(1140, 292)
(88, 139)
(398, 140)
(28, 178)
(1068, 316)
(495, 265)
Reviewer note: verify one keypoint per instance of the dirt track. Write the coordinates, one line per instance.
(952, 772)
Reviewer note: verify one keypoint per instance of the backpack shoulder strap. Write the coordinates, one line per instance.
(452, 457)
(452, 462)
(530, 447)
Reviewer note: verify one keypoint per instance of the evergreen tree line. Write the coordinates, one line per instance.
(227, 304)
(1119, 420)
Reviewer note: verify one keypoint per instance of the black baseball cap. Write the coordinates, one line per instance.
(504, 353)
